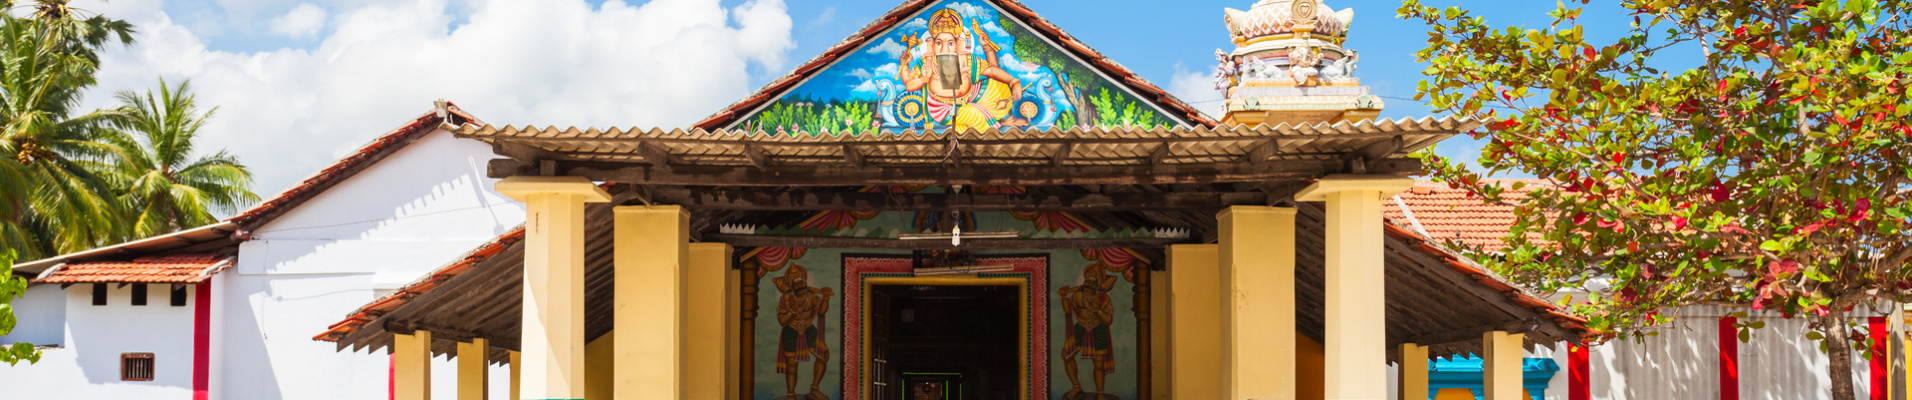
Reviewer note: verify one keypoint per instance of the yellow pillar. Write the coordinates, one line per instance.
(412, 366)
(514, 375)
(733, 332)
(1257, 263)
(1500, 367)
(704, 324)
(474, 374)
(1355, 260)
(1413, 372)
(552, 339)
(651, 255)
(1195, 366)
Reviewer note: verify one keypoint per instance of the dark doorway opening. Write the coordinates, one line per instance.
(948, 342)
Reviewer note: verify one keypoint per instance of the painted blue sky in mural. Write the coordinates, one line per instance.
(956, 64)
(864, 83)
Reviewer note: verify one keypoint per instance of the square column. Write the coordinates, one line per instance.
(1256, 257)
(705, 328)
(552, 340)
(652, 254)
(514, 375)
(1195, 308)
(1500, 367)
(1355, 260)
(1413, 372)
(473, 376)
(412, 366)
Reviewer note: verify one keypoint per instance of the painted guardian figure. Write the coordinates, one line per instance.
(1089, 312)
(800, 311)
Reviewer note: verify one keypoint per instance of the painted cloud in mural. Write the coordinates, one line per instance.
(958, 64)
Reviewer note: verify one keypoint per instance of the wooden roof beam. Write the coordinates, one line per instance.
(1062, 155)
(759, 199)
(1033, 175)
(757, 157)
(938, 244)
(852, 156)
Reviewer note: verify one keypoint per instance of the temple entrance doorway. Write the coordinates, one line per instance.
(947, 341)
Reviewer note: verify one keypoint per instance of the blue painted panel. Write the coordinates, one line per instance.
(1465, 373)
(956, 64)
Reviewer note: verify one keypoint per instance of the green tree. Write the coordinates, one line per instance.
(162, 182)
(12, 287)
(49, 201)
(1773, 174)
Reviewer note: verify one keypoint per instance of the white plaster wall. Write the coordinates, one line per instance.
(413, 212)
(94, 336)
(40, 317)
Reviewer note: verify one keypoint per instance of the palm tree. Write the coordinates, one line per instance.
(164, 186)
(50, 201)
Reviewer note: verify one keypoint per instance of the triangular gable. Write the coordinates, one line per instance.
(1009, 68)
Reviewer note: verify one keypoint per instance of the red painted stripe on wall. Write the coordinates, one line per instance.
(391, 377)
(1579, 384)
(202, 341)
(1881, 369)
(1728, 358)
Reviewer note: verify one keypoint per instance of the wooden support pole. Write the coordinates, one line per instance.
(1256, 256)
(1195, 309)
(1413, 372)
(1355, 257)
(651, 255)
(474, 372)
(515, 362)
(412, 366)
(705, 328)
(1500, 365)
(552, 338)
(733, 331)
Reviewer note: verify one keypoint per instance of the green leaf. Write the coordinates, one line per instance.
(1772, 246)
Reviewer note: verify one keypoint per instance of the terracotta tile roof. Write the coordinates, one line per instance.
(180, 268)
(365, 314)
(1457, 217)
(371, 153)
(1493, 281)
(723, 118)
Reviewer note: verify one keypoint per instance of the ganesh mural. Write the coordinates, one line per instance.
(958, 64)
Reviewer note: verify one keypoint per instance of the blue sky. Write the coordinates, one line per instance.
(302, 82)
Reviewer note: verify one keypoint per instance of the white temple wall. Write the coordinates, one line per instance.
(388, 225)
(40, 317)
(87, 366)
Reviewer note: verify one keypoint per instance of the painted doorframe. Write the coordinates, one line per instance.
(1030, 273)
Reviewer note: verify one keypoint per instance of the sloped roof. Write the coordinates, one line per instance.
(1478, 300)
(345, 168)
(221, 235)
(1458, 217)
(178, 268)
(1093, 145)
(1152, 93)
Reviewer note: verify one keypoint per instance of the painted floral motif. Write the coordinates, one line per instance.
(1052, 220)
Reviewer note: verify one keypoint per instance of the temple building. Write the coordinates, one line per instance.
(962, 201)
(958, 202)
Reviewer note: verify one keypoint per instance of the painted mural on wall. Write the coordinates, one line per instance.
(1088, 328)
(958, 64)
(795, 329)
(800, 312)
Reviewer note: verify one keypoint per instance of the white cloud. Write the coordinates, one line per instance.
(1197, 88)
(889, 47)
(289, 112)
(303, 21)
